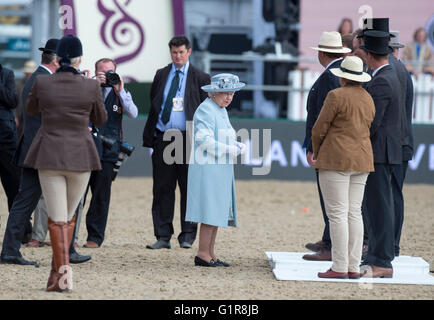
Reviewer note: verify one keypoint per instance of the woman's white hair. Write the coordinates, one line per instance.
(75, 62)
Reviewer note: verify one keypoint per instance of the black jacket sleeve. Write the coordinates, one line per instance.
(148, 130)
(326, 82)
(380, 91)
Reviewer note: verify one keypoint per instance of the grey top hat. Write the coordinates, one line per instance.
(224, 82)
(394, 42)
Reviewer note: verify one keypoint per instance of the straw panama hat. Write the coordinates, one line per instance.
(331, 42)
(29, 66)
(352, 69)
(224, 82)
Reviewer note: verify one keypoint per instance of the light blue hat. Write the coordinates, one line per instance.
(224, 82)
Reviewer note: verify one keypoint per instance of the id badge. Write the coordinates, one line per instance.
(178, 104)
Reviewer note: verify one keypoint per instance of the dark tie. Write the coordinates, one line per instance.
(169, 100)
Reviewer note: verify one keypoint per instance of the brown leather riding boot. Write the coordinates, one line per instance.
(60, 279)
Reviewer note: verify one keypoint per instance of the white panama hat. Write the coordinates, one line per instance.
(331, 42)
(224, 82)
(29, 66)
(352, 69)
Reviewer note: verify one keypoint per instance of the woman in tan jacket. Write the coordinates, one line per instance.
(63, 150)
(343, 155)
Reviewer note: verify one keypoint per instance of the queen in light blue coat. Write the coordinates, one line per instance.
(211, 187)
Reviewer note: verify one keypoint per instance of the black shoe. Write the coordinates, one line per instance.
(76, 258)
(202, 263)
(159, 245)
(17, 260)
(220, 263)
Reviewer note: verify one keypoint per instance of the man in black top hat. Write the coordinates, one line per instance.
(406, 103)
(386, 133)
(398, 175)
(30, 190)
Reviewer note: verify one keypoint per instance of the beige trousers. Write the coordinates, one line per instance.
(343, 194)
(62, 192)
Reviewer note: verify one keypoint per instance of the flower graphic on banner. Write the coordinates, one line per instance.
(120, 31)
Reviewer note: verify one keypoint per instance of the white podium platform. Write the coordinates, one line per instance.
(291, 266)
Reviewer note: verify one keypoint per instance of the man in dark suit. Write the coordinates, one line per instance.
(398, 175)
(30, 189)
(330, 53)
(386, 139)
(175, 95)
(406, 103)
(9, 173)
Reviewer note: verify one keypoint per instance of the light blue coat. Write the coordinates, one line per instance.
(211, 186)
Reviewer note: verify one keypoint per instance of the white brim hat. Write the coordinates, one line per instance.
(331, 42)
(352, 69)
(224, 82)
(29, 67)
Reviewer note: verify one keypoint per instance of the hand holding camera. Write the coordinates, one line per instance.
(111, 79)
(85, 73)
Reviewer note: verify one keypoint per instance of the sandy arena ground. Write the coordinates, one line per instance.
(272, 216)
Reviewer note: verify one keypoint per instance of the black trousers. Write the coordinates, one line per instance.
(398, 177)
(165, 177)
(24, 204)
(100, 184)
(327, 242)
(381, 216)
(9, 172)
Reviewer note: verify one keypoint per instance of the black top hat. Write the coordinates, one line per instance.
(378, 24)
(50, 46)
(69, 47)
(376, 42)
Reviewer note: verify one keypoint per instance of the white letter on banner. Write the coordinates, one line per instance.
(276, 153)
(418, 155)
(297, 153)
(431, 157)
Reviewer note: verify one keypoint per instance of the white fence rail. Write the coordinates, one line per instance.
(302, 81)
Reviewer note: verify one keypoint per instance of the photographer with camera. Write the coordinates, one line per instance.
(117, 100)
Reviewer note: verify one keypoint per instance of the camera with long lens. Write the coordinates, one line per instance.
(112, 78)
(107, 143)
(125, 152)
